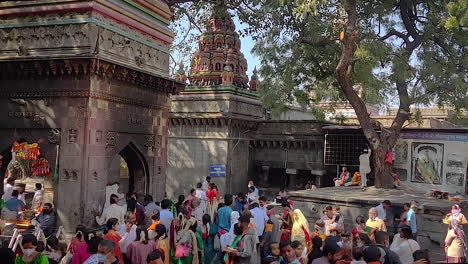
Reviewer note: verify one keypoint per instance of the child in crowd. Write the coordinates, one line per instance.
(288, 254)
(273, 251)
(300, 254)
(346, 243)
(358, 257)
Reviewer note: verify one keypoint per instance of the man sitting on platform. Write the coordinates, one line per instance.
(47, 220)
(344, 180)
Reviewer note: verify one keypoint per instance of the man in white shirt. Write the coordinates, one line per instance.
(8, 189)
(260, 218)
(22, 195)
(112, 211)
(201, 194)
(364, 167)
(166, 216)
(256, 191)
(206, 182)
(382, 210)
(38, 197)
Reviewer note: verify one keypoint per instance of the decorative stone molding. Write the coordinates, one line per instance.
(84, 39)
(111, 139)
(54, 136)
(215, 121)
(22, 40)
(72, 135)
(82, 69)
(289, 144)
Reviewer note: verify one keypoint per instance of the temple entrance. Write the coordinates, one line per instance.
(132, 169)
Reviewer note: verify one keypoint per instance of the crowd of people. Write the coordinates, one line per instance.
(207, 227)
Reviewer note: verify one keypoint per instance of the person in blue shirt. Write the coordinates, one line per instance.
(239, 203)
(14, 205)
(224, 214)
(411, 219)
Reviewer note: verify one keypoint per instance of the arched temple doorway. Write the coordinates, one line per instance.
(132, 170)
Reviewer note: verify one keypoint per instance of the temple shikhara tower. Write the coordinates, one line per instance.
(213, 119)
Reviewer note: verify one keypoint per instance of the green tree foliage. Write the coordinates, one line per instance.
(401, 52)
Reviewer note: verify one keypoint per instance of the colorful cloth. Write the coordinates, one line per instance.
(114, 236)
(81, 254)
(138, 251)
(456, 259)
(163, 245)
(229, 258)
(39, 259)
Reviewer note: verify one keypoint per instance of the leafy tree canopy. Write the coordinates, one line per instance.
(401, 53)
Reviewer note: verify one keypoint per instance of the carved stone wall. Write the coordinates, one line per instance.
(91, 35)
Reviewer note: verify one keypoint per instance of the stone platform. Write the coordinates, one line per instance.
(355, 201)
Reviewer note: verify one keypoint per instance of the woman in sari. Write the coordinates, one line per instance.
(231, 258)
(286, 221)
(162, 242)
(111, 234)
(208, 232)
(212, 195)
(455, 241)
(187, 243)
(175, 228)
(300, 230)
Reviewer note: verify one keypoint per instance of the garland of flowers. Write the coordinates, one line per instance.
(28, 155)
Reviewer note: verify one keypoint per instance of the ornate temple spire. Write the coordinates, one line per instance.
(218, 47)
(254, 82)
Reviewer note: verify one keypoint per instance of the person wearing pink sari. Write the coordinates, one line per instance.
(83, 252)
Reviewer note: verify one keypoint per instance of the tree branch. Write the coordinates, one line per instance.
(394, 32)
(175, 2)
(344, 76)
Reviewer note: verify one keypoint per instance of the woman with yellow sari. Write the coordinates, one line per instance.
(300, 230)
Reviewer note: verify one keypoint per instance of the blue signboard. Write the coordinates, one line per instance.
(217, 170)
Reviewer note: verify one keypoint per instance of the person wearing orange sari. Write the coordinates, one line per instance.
(111, 234)
(213, 196)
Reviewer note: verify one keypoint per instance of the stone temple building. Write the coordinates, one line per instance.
(89, 82)
(212, 122)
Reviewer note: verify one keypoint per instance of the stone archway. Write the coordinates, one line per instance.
(137, 169)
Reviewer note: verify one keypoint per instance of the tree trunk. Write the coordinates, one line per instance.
(382, 169)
